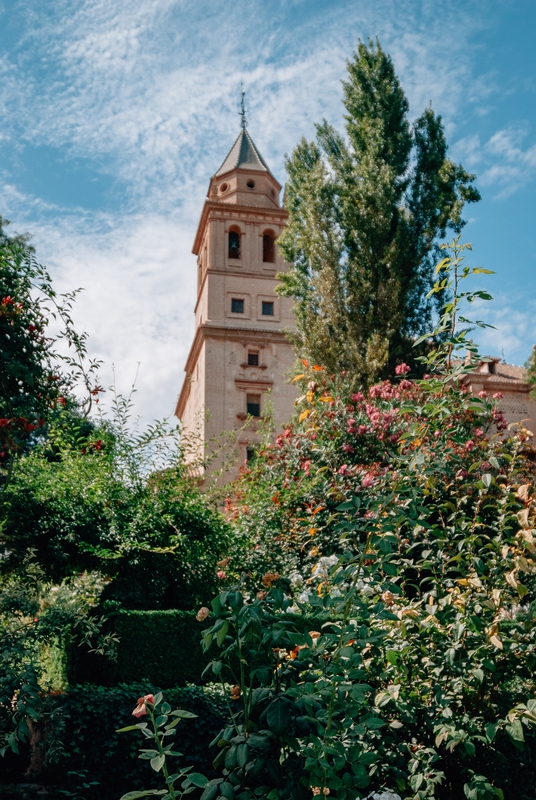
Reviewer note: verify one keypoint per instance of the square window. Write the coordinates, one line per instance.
(253, 405)
(267, 309)
(253, 359)
(250, 454)
(237, 306)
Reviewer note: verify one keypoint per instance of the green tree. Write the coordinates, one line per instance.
(365, 216)
(35, 377)
(531, 371)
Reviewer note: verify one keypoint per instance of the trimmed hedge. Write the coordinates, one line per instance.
(97, 763)
(162, 647)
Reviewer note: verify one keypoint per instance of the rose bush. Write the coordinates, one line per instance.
(403, 518)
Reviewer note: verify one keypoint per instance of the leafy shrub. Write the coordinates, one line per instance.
(158, 646)
(121, 503)
(92, 753)
(404, 516)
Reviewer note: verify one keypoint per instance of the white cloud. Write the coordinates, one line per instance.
(147, 94)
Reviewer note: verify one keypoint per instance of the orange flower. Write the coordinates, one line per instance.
(269, 578)
(202, 614)
(315, 635)
(261, 595)
(236, 692)
(388, 598)
(141, 709)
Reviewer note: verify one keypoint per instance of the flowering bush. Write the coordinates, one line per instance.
(403, 518)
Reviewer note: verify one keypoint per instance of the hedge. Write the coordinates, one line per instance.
(163, 647)
(97, 763)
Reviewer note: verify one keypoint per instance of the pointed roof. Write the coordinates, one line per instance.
(243, 154)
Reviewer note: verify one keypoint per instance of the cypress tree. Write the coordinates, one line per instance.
(366, 214)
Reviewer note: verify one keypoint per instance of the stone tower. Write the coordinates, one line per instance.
(239, 356)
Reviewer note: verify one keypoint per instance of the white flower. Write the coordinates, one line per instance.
(296, 580)
(293, 610)
(303, 597)
(385, 794)
(368, 591)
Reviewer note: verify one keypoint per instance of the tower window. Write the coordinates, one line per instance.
(253, 359)
(237, 305)
(253, 405)
(267, 309)
(268, 248)
(250, 454)
(250, 184)
(234, 244)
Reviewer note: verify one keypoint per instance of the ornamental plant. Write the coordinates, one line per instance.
(379, 634)
(158, 732)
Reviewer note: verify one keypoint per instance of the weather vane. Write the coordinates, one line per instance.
(243, 107)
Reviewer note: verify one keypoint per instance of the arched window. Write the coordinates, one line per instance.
(268, 249)
(234, 244)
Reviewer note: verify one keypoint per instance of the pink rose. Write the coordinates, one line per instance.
(367, 481)
(479, 433)
(498, 396)
(221, 574)
(140, 709)
(343, 470)
(483, 394)
(470, 445)
(402, 369)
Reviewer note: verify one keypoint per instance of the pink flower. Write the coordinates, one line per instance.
(404, 384)
(202, 614)
(347, 448)
(367, 481)
(357, 397)
(306, 466)
(402, 369)
(343, 470)
(479, 433)
(469, 445)
(140, 709)
(498, 396)
(483, 394)
(220, 574)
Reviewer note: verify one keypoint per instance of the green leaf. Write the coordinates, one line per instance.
(515, 730)
(198, 780)
(128, 728)
(180, 712)
(222, 633)
(278, 716)
(158, 762)
(145, 793)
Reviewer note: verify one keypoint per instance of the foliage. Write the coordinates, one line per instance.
(90, 751)
(35, 377)
(365, 215)
(403, 516)
(157, 732)
(531, 371)
(119, 501)
(35, 617)
(159, 646)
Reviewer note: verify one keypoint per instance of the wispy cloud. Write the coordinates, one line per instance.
(147, 95)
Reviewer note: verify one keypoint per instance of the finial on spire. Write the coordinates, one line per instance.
(242, 112)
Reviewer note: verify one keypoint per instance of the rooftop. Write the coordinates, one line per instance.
(243, 155)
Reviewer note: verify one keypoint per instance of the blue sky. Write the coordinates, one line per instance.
(114, 114)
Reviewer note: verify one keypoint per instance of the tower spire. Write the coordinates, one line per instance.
(243, 120)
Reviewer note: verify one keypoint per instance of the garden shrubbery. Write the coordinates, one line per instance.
(86, 757)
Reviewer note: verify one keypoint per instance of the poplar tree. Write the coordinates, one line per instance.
(366, 213)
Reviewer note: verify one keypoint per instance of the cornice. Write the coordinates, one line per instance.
(228, 210)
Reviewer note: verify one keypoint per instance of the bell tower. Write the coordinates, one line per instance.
(239, 356)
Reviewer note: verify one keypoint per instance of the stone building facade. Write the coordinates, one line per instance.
(240, 356)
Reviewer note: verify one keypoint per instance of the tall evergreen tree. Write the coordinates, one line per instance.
(366, 213)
